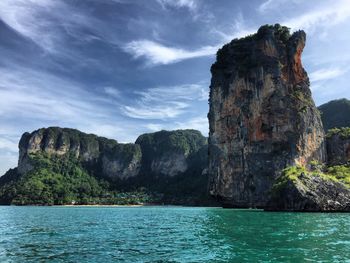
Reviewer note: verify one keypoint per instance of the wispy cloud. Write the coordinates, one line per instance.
(272, 5)
(25, 18)
(8, 152)
(8, 159)
(323, 16)
(156, 53)
(52, 25)
(165, 102)
(39, 99)
(327, 73)
(236, 29)
(190, 4)
(199, 123)
(112, 92)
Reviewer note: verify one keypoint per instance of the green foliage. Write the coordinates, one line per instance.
(293, 174)
(163, 143)
(289, 174)
(335, 114)
(280, 32)
(67, 179)
(316, 166)
(343, 132)
(61, 180)
(340, 172)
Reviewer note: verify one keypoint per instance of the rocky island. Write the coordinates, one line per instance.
(65, 166)
(267, 147)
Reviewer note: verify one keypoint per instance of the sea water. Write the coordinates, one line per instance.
(170, 234)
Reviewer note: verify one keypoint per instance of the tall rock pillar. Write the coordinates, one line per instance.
(262, 117)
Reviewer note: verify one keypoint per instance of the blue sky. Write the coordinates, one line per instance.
(120, 68)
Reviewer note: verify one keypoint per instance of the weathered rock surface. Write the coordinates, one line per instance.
(310, 193)
(168, 165)
(115, 160)
(335, 114)
(168, 153)
(338, 146)
(262, 117)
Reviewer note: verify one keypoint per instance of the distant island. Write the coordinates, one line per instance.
(60, 166)
(269, 146)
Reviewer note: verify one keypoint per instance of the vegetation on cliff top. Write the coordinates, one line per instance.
(61, 181)
(335, 114)
(239, 49)
(294, 174)
(343, 132)
(65, 179)
(183, 141)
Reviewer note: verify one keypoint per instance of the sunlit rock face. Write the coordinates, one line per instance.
(262, 117)
(107, 157)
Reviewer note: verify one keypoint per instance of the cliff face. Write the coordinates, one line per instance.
(116, 161)
(338, 146)
(262, 117)
(61, 166)
(311, 193)
(169, 153)
(335, 114)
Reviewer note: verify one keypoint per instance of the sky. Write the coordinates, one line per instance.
(120, 68)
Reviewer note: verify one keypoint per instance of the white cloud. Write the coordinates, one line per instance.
(165, 102)
(198, 123)
(325, 74)
(40, 99)
(8, 144)
(171, 110)
(190, 4)
(272, 5)
(324, 16)
(48, 23)
(8, 159)
(156, 53)
(24, 17)
(112, 92)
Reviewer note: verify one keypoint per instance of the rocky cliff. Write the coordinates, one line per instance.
(338, 146)
(169, 153)
(60, 166)
(262, 117)
(174, 163)
(114, 160)
(304, 191)
(301, 190)
(335, 114)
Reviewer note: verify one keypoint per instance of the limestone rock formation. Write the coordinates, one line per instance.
(115, 160)
(338, 146)
(262, 117)
(310, 193)
(169, 153)
(59, 166)
(335, 114)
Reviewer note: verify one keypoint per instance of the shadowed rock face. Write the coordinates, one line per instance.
(338, 146)
(262, 117)
(170, 153)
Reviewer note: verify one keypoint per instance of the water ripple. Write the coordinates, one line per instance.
(170, 234)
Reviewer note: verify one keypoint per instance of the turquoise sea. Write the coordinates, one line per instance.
(170, 234)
